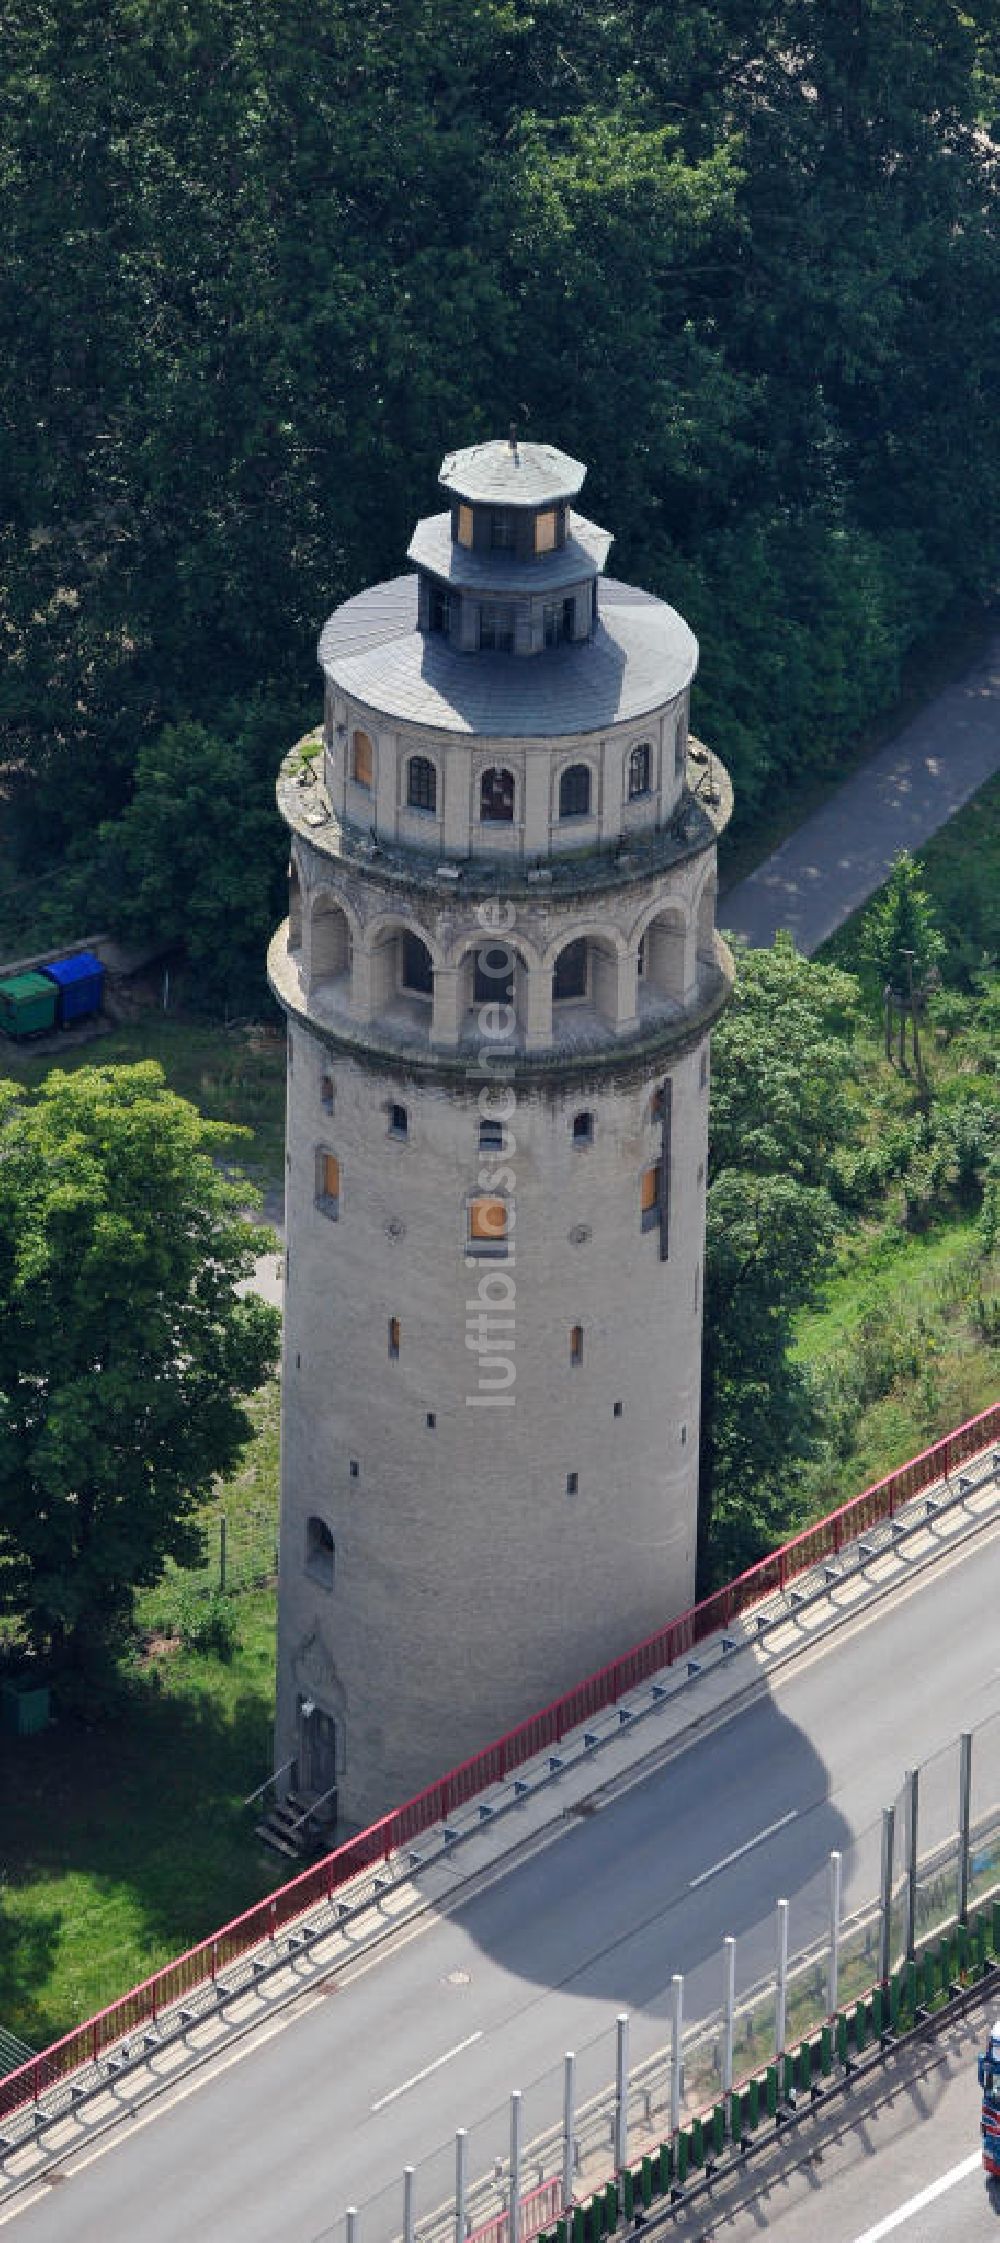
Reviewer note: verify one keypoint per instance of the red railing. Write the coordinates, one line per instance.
(322, 1879)
(538, 2210)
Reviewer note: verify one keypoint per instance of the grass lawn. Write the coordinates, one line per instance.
(900, 1328)
(232, 1075)
(122, 1844)
(126, 1843)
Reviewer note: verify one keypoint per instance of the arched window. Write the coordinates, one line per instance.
(320, 1551)
(496, 797)
(417, 967)
(570, 977)
(361, 760)
(638, 771)
(421, 783)
(493, 975)
(574, 792)
(330, 952)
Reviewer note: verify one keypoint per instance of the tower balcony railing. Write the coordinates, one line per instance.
(694, 825)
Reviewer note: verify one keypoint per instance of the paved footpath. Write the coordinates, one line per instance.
(833, 862)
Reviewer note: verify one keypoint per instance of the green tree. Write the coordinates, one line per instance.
(902, 918)
(784, 1099)
(198, 858)
(126, 1345)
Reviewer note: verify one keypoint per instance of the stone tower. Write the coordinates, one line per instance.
(500, 971)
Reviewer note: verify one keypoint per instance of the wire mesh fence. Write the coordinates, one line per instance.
(240, 1552)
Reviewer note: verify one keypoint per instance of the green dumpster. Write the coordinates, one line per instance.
(27, 1005)
(24, 1708)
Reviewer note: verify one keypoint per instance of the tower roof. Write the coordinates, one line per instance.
(583, 553)
(640, 656)
(511, 474)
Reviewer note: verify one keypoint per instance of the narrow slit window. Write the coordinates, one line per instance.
(649, 1197)
(328, 1183)
(465, 525)
(393, 1339)
(361, 760)
(638, 771)
(326, 1094)
(576, 1344)
(399, 1121)
(572, 1483)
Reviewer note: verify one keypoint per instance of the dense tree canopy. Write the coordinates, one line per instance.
(783, 1103)
(264, 265)
(125, 1344)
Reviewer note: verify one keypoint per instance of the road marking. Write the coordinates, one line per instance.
(919, 2203)
(395, 2092)
(739, 1851)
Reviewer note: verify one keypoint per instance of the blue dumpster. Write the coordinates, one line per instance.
(80, 984)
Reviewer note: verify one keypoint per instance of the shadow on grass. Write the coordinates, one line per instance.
(123, 1845)
(28, 1948)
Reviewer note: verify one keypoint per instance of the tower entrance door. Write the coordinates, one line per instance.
(317, 1756)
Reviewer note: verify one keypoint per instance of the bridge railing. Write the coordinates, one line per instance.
(142, 2004)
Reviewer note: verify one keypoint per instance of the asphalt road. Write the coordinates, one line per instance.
(832, 863)
(327, 2109)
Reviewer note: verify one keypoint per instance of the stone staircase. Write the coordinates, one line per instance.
(291, 1827)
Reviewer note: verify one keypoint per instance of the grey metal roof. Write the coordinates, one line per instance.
(640, 656)
(527, 475)
(585, 551)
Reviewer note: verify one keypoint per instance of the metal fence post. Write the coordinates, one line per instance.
(408, 2204)
(569, 2102)
(912, 1856)
(833, 1965)
(621, 2093)
(514, 2215)
(676, 2046)
(461, 2181)
(885, 1929)
(964, 1822)
(729, 2024)
(781, 1987)
(353, 2224)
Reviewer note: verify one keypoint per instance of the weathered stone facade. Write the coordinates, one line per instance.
(500, 971)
